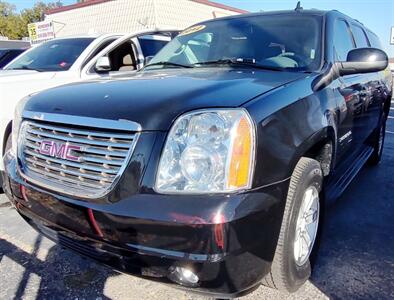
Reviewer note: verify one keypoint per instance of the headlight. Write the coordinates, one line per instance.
(208, 151)
(16, 124)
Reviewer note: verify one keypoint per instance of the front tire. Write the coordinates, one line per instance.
(291, 266)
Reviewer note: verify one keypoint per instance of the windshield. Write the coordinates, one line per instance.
(55, 55)
(277, 41)
(150, 47)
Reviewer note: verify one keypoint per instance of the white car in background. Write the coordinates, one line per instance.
(65, 60)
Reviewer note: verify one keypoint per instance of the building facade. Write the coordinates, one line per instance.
(121, 16)
(10, 44)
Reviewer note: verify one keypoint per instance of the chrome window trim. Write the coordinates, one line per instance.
(88, 122)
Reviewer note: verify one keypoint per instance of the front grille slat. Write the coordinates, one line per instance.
(116, 153)
(82, 132)
(109, 161)
(84, 141)
(71, 164)
(89, 150)
(69, 172)
(66, 181)
(98, 156)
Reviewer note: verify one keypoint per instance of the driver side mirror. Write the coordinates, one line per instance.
(103, 65)
(363, 60)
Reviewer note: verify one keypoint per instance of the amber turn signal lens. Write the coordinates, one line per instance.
(241, 155)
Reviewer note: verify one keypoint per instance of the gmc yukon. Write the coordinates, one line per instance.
(209, 169)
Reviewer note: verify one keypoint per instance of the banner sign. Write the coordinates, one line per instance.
(392, 36)
(40, 32)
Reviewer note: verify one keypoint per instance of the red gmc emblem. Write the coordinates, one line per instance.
(59, 150)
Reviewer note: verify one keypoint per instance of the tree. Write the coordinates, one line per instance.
(14, 25)
(6, 9)
(8, 20)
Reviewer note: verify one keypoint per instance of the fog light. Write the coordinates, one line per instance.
(183, 276)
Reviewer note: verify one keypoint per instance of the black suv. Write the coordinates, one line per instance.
(208, 169)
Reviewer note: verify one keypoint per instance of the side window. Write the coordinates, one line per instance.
(374, 40)
(359, 36)
(98, 50)
(343, 41)
(122, 58)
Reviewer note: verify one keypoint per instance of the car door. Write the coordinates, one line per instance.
(127, 54)
(372, 90)
(354, 100)
(121, 55)
(350, 92)
(385, 76)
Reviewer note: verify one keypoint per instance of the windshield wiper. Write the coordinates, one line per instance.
(167, 63)
(27, 68)
(250, 62)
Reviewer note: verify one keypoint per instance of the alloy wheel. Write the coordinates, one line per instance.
(307, 224)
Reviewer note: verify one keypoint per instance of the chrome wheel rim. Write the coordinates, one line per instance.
(306, 227)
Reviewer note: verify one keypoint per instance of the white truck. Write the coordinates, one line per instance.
(65, 60)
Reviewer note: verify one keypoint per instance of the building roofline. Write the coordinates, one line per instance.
(95, 2)
(222, 6)
(75, 6)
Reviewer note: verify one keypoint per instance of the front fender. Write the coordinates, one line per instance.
(318, 139)
(290, 131)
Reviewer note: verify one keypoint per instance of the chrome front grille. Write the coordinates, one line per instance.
(77, 160)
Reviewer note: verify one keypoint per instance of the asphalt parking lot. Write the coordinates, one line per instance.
(356, 258)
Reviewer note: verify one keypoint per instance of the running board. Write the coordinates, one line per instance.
(336, 187)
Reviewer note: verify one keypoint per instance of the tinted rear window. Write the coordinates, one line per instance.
(55, 55)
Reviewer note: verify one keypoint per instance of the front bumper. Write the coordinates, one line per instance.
(227, 240)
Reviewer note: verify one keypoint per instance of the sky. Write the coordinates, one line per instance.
(377, 15)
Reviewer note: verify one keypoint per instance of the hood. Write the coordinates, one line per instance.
(17, 84)
(23, 75)
(154, 99)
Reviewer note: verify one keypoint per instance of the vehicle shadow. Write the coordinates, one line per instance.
(63, 275)
(356, 255)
